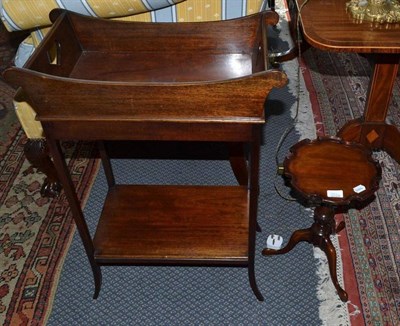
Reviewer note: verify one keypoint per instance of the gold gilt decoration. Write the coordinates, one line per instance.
(380, 11)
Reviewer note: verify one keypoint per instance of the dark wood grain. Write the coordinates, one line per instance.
(314, 167)
(93, 79)
(177, 223)
(327, 26)
(202, 102)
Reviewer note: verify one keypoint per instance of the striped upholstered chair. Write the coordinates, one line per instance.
(33, 15)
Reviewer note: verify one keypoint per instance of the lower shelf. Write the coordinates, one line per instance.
(174, 224)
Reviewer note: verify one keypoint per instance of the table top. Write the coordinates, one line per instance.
(149, 73)
(331, 170)
(327, 26)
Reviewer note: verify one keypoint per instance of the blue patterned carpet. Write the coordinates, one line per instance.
(134, 295)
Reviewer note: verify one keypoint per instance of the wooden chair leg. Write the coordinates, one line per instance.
(37, 154)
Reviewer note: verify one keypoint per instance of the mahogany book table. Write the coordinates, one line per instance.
(96, 80)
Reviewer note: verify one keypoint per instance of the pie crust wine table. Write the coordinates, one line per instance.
(95, 80)
(331, 175)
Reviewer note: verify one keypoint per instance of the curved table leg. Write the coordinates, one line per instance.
(318, 235)
(391, 142)
(327, 247)
(340, 227)
(372, 130)
(297, 236)
(373, 135)
(324, 226)
(97, 276)
(253, 283)
(77, 214)
(254, 166)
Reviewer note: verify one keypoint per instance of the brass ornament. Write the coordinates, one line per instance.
(379, 11)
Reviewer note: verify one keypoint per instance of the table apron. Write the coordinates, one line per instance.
(149, 130)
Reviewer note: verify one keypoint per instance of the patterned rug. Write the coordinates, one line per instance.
(338, 84)
(34, 231)
(28, 285)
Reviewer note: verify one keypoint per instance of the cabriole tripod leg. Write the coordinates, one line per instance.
(318, 235)
(297, 236)
(330, 252)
